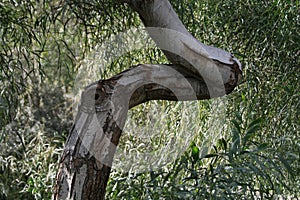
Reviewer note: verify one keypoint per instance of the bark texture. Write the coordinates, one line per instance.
(198, 72)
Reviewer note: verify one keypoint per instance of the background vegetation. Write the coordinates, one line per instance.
(253, 154)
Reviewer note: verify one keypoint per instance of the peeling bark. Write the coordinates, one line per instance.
(198, 72)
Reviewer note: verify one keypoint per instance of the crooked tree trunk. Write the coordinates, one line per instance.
(199, 72)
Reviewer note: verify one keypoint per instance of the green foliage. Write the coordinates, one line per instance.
(31, 145)
(257, 155)
(236, 168)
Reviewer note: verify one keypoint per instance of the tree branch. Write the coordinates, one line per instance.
(90, 148)
(198, 72)
(208, 63)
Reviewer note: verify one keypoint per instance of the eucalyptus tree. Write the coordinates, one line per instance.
(196, 72)
(43, 43)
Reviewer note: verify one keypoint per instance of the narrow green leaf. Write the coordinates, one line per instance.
(236, 125)
(255, 122)
(250, 132)
(195, 152)
(234, 149)
(235, 134)
(286, 165)
(224, 143)
(238, 116)
(253, 129)
(211, 155)
(261, 147)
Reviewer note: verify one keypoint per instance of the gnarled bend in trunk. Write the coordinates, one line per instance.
(197, 72)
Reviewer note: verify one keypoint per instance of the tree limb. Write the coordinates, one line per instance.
(181, 48)
(90, 148)
(197, 72)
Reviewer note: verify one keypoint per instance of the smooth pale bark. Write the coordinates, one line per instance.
(199, 72)
(89, 150)
(182, 48)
